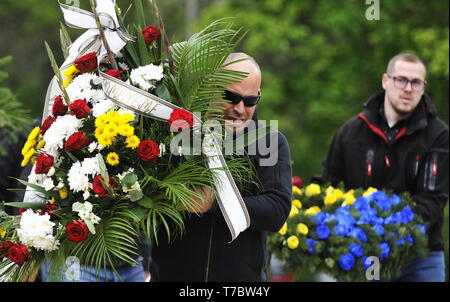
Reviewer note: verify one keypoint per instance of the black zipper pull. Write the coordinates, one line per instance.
(416, 166)
(387, 161)
(369, 161)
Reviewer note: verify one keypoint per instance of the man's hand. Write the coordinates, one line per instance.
(204, 203)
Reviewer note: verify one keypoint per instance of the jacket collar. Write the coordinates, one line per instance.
(418, 119)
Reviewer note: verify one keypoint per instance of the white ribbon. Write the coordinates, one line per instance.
(90, 41)
(228, 196)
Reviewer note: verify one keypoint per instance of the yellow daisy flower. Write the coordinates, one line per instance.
(132, 141)
(111, 115)
(293, 242)
(105, 140)
(101, 121)
(112, 158)
(110, 130)
(126, 118)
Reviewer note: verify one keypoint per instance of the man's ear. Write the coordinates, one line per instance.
(384, 80)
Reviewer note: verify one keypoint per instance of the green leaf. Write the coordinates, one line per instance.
(102, 167)
(135, 195)
(146, 202)
(26, 205)
(37, 188)
(140, 13)
(163, 92)
(138, 213)
(64, 40)
(142, 46)
(129, 180)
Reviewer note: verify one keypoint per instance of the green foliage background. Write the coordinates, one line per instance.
(320, 59)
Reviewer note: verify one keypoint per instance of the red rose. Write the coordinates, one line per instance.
(43, 163)
(49, 208)
(297, 181)
(4, 247)
(59, 108)
(21, 210)
(148, 150)
(180, 119)
(98, 186)
(115, 73)
(77, 231)
(76, 142)
(86, 63)
(47, 123)
(150, 33)
(18, 253)
(80, 108)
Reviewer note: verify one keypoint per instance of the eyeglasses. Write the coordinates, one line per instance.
(402, 82)
(235, 98)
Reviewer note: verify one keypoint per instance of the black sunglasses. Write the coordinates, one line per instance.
(235, 98)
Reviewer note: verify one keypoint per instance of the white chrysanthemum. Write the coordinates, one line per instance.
(77, 180)
(142, 76)
(81, 87)
(102, 107)
(61, 129)
(92, 147)
(90, 166)
(37, 231)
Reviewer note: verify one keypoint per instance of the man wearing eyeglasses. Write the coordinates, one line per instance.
(398, 142)
(204, 251)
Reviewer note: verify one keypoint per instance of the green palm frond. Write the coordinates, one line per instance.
(200, 76)
(114, 240)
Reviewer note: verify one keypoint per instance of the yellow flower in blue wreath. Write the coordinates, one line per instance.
(296, 190)
(2, 232)
(132, 141)
(369, 191)
(312, 211)
(312, 190)
(283, 229)
(112, 158)
(330, 199)
(294, 211)
(293, 242)
(297, 203)
(349, 198)
(302, 229)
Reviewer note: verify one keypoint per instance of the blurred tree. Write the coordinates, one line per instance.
(322, 59)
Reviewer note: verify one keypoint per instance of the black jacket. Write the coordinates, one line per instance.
(203, 253)
(415, 160)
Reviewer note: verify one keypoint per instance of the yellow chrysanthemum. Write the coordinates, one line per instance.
(297, 203)
(294, 211)
(312, 190)
(67, 82)
(105, 140)
(27, 157)
(126, 130)
(115, 122)
(330, 199)
(283, 229)
(111, 115)
(302, 229)
(2, 233)
(112, 158)
(34, 133)
(296, 190)
(369, 191)
(101, 121)
(63, 193)
(53, 200)
(99, 131)
(312, 211)
(292, 242)
(110, 130)
(132, 141)
(126, 118)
